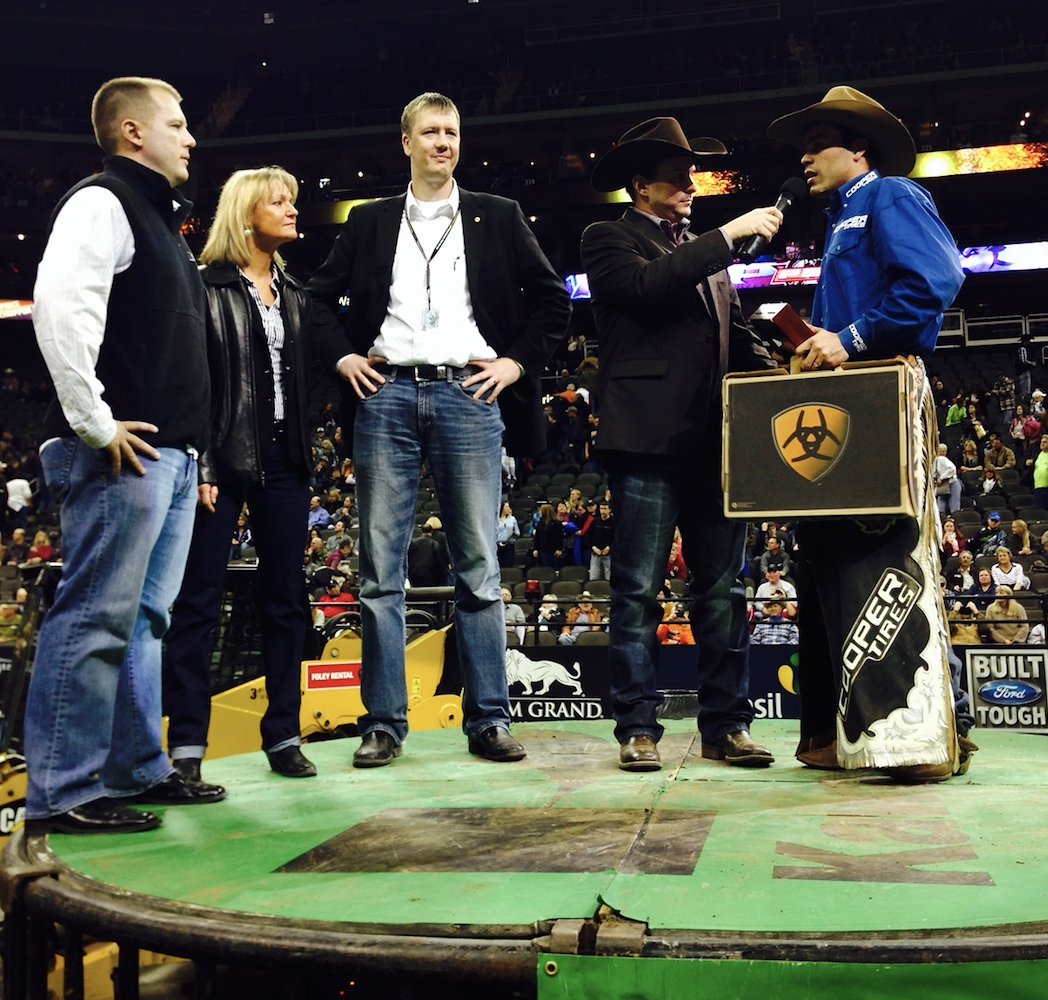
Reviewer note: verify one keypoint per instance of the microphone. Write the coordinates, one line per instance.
(792, 191)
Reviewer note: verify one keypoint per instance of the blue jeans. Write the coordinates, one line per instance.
(92, 720)
(397, 428)
(648, 502)
(278, 514)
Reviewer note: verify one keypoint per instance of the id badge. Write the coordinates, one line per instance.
(430, 319)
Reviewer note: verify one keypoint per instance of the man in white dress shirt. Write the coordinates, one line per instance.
(453, 308)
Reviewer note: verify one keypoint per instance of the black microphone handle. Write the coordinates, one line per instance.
(756, 245)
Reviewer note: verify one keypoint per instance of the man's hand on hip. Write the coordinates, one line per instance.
(493, 377)
(357, 371)
(126, 446)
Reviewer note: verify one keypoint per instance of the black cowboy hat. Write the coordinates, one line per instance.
(647, 143)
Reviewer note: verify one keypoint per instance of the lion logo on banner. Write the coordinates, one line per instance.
(542, 674)
(811, 437)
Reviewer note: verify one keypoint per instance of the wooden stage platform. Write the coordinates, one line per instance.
(563, 876)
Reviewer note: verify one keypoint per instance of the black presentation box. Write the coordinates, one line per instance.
(821, 444)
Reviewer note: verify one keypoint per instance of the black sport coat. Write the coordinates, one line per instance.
(520, 304)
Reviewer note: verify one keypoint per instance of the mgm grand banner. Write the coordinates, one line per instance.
(1007, 686)
(555, 683)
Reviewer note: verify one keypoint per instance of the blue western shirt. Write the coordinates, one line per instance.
(889, 269)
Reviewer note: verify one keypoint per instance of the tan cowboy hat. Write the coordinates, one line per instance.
(645, 144)
(854, 110)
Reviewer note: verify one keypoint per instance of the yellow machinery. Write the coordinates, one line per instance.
(331, 695)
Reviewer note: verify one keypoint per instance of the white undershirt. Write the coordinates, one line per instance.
(91, 242)
(456, 338)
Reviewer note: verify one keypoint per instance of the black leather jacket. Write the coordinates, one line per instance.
(241, 379)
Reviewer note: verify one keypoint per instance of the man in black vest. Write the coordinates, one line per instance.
(119, 316)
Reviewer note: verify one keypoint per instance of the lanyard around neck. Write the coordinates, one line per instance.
(436, 249)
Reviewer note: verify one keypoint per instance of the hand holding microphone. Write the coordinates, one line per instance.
(792, 192)
(759, 223)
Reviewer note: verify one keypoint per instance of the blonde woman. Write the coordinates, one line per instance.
(258, 322)
(970, 461)
(1021, 538)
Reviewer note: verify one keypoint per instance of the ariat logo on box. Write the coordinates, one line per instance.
(811, 437)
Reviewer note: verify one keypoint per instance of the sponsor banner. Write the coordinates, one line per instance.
(11, 816)
(324, 674)
(1007, 687)
(549, 683)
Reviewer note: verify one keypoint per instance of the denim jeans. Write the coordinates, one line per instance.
(278, 518)
(92, 721)
(648, 502)
(460, 438)
(949, 503)
(600, 567)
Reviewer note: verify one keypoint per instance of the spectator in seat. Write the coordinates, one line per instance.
(675, 628)
(970, 460)
(317, 517)
(550, 615)
(774, 628)
(1020, 542)
(241, 537)
(335, 600)
(776, 588)
(998, 454)
(40, 551)
(991, 535)
(341, 554)
(17, 549)
(583, 617)
(1005, 618)
(991, 482)
(775, 555)
(983, 590)
(516, 620)
(964, 629)
(962, 579)
(953, 540)
(1008, 573)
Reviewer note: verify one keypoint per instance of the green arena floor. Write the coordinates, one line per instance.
(719, 881)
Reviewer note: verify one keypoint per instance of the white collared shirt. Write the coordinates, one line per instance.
(456, 337)
(90, 243)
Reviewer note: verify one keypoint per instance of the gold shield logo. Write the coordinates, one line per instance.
(811, 437)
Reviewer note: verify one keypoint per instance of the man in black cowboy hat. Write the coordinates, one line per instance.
(670, 326)
(890, 268)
